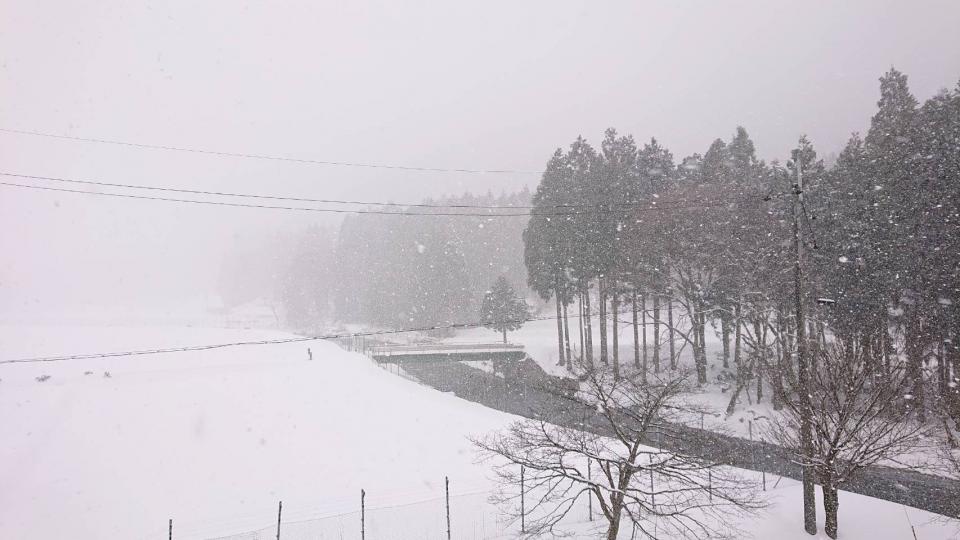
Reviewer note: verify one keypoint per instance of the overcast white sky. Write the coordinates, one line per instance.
(442, 84)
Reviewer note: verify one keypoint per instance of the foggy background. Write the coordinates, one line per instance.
(493, 85)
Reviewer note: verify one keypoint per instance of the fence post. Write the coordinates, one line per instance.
(170, 530)
(653, 496)
(446, 482)
(590, 498)
(279, 513)
(363, 515)
(523, 524)
(710, 484)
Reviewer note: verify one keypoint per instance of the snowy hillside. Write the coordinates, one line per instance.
(215, 439)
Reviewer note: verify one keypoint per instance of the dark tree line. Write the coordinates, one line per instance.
(625, 231)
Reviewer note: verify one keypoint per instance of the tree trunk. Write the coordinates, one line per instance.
(614, 529)
(762, 356)
(504, 336)
(866, 344)
(741, 371)
(566, 337)
(741, 381)
(943, 370)
(643, 319)
(656, 333)
(887, 347)
(636, 333)
(702, 369)
(559, 325)
(777, 382)
(791, 328)
(615, 308)
(725, 331)
(736, 337)
(696, 338)
(915, 363)
(588, 329)
(603, 321)
(831, 506)
(673, 351)
(580, 324)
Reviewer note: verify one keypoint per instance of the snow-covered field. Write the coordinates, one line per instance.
(214, 439)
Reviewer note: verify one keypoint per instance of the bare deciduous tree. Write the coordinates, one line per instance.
(659, 493)
(860, 416)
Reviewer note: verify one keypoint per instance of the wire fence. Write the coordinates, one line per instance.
(471, 517)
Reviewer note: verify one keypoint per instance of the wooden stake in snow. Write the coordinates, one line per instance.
(589, 499)
(710, 484)
(523, 524)
(279, 513)
(446, 481)
(170, 530)
(363, 515)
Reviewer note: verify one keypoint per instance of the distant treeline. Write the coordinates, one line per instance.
(419, 271)
(395, 271)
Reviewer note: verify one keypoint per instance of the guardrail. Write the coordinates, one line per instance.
(436, 348)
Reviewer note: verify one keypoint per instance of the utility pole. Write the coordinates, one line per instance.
(803, 363)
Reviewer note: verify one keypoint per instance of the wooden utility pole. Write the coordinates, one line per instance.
(803, 363)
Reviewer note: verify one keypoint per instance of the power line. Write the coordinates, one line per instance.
(592, 210)
(299, 339)
(265, 156)
(652, 201)
(266, 206)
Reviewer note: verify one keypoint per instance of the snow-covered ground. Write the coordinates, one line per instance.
(214, 439)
